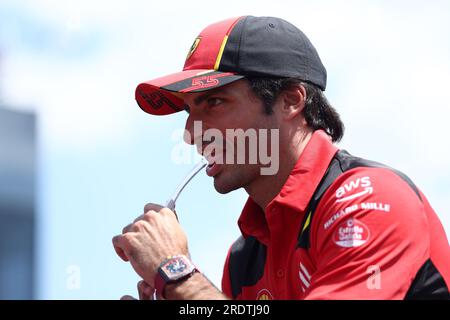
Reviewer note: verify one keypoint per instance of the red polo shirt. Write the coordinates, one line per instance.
(340, 228)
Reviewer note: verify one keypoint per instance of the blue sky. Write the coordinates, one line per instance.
(77, 63)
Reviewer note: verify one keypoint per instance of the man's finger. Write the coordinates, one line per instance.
(145, 291)
(141, 217)
(170, 212)
(148, 290)
(152, 206)
(127, 228)
(117, 247)
(140, 292)
(128, 297)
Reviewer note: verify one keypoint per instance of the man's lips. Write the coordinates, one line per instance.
(213, 169)
(214, 166)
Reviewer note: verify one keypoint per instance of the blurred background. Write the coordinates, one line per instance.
(79, 159)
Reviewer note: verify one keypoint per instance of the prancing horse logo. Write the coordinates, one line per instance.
(264, 294)
(193, 47)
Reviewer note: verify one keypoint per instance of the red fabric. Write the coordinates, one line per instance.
(147, 89)
(172, 78)
(369, 237)
(203, 82)
(199, 62)
(205, 55)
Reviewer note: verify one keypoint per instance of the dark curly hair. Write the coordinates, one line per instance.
(318, 112)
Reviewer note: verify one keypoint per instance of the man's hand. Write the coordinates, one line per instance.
(145, 292)
(150, 239)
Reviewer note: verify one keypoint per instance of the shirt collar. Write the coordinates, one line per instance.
(298, 189)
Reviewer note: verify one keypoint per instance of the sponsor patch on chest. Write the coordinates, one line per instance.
(351, 233)
(354, 189)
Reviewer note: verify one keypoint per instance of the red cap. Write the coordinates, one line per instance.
(231, 50)
(200, 72)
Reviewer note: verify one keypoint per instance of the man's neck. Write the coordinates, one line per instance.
(267, 187)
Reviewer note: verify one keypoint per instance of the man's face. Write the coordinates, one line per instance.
(222, 111)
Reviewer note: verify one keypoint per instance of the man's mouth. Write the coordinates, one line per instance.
(213, 167)
(212, 170)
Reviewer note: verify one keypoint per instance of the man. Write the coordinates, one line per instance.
(325, 225)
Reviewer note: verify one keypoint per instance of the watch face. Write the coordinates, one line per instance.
(176, 265)
(176, 268)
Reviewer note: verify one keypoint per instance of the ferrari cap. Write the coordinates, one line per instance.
(229, 50)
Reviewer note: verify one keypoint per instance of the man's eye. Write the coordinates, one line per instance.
(214, 101)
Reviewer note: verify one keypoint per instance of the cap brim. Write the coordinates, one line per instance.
(159, 96)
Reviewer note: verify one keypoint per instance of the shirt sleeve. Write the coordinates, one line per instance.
(369, 237)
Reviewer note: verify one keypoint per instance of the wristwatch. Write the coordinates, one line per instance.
(173, 270)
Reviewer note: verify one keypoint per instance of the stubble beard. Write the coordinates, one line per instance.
(236, 176)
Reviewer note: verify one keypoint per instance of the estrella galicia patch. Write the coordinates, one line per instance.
(351, 233)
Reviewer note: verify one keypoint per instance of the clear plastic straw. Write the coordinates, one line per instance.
(199, 166)
(171, 202)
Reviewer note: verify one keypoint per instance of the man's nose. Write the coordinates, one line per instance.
(193, 130)
(193, 133)
(188, 135)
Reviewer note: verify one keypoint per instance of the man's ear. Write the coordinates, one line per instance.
(293, 101)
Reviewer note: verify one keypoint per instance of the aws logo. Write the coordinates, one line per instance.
(345, 192)
(193, 47)
(264, 294)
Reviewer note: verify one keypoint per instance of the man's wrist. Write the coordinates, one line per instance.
(174, 269)
(179, 290)
(193, 285)
(196, 287)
